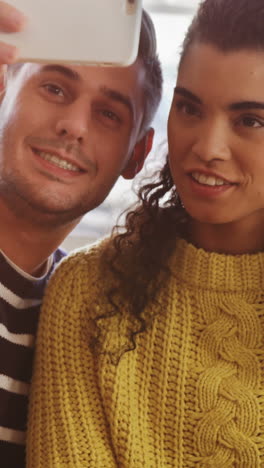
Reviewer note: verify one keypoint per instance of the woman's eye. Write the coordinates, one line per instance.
(187, 108)
(252, 122)
(54, 89)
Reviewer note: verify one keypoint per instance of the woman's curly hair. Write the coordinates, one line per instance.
(137, 253)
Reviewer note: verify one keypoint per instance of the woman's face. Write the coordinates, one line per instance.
(216, 135)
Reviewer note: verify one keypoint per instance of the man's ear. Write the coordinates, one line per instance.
(141, 151)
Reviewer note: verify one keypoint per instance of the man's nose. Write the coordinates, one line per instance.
(72, 125)
(213, 142)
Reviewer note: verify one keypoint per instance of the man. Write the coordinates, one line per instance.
(66, 135)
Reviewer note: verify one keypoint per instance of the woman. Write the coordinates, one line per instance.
(150, 348)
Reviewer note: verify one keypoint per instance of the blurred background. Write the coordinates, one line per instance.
(171, 19)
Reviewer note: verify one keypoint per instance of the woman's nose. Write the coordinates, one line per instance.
(213, 143)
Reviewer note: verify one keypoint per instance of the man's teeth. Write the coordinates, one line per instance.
(208, 180)
(58, 161)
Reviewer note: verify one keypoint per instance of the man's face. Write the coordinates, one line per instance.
(66, 134)
(216, 135)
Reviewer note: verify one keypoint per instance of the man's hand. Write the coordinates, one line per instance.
(11, 20)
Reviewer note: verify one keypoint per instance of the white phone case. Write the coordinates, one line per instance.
(78, 31)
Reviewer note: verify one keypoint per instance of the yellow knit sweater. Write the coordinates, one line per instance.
(190, 395)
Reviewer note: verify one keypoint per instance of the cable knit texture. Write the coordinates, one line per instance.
(190, 395)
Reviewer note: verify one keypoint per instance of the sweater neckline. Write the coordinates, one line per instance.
(208, 270)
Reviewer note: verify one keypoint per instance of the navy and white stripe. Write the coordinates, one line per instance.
(20, 300)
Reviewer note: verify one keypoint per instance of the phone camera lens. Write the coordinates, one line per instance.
(131, 6)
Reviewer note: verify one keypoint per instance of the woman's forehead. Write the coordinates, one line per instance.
(235, 74)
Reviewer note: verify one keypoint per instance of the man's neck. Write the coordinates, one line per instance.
(28, 245)
(29, 250)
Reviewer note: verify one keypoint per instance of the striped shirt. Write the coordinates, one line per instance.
(20, 299)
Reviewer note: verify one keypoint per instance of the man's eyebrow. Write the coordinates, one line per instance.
(187, 94)
(68, 72)
(119, 97)
(246, 105)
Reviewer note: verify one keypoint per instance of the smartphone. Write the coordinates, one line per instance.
(89, 32)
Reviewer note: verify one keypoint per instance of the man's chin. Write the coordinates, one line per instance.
(43, 212)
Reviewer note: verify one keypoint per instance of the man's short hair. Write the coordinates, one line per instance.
(154, 80)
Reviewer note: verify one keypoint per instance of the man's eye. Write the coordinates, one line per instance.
(110, 115)
(54, 89)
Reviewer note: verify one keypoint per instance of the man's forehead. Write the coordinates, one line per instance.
(132, 74)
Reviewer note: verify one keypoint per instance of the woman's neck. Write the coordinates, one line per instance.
(230, 238)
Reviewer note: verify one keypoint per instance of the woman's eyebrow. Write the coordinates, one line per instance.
(187, 94)
(246, 105)
(234, 106)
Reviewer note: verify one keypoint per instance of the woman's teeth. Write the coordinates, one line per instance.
(208, 180)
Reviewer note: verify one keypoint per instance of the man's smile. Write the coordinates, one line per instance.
(57, 161)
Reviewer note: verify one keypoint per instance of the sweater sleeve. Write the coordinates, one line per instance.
(67, 425)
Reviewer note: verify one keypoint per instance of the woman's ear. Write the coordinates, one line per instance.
(141, 151)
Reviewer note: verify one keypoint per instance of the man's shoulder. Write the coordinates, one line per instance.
(58, 255)
(81, 275)
(83, 260)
